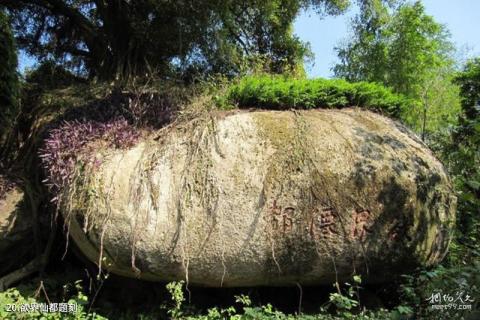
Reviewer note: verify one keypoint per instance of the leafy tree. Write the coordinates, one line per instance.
(8, 77)
(418, 46)
(459, 148)
(465, 152)
(469, 81)
(402, 47)
(118, 38)
(365, 56)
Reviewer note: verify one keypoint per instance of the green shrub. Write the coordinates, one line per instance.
(456, 279)
(281, 93)
(14, 305)
(8, 77)
(49, 76)
(343, 303)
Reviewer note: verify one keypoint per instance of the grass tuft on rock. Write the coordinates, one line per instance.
(281, 93)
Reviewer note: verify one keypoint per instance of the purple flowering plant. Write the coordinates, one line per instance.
(72, 142)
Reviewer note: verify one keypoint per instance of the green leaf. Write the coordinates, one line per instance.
(357, 279)
(474, 184)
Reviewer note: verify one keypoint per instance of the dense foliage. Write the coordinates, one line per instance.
(462, 154)
(49, 76)
(31, 308)
(407, 50)
(8, 77)
(111, 39)
(459, 148)
(283, 93)
(340, 305)
(469, 81)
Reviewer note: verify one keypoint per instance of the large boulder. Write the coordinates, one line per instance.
(15, 229)
(265, 198)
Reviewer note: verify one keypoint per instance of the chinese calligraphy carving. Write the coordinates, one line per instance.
(323, 223)
(282, 219)
(361, 224)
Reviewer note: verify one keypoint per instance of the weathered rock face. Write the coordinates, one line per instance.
(15, 231)
(267, 198)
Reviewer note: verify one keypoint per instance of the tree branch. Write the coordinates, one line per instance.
(73, 14)
(58, 7)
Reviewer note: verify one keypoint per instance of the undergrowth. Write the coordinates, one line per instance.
(343, 304)
(14, 305)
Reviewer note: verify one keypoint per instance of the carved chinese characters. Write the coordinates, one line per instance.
(323, 222)
(361, 224)
(281, 220)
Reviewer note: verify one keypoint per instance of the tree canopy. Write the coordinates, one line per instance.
(469, 81)
(395, 47)
(119, 38)
(399, 45)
